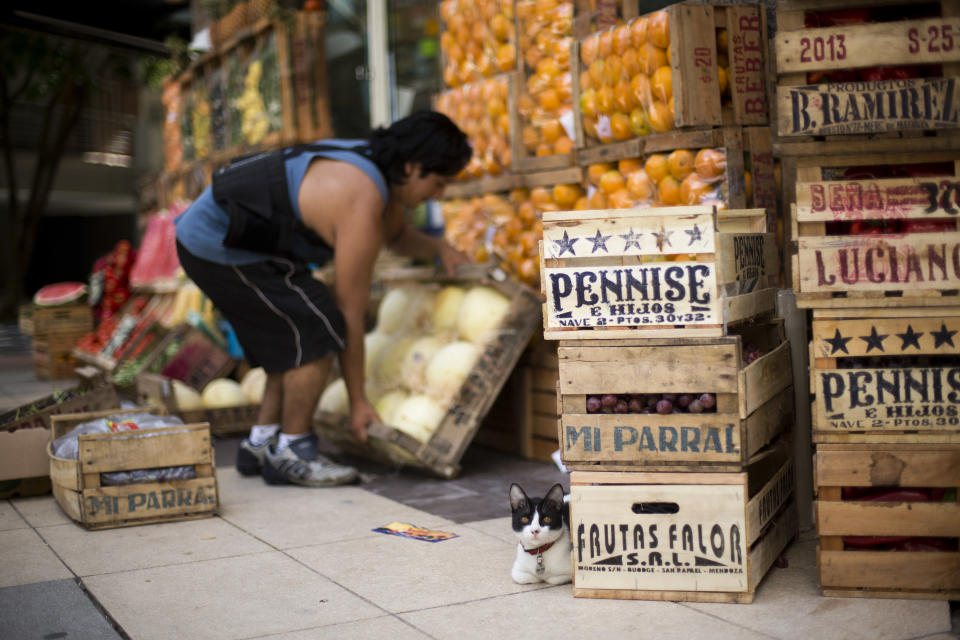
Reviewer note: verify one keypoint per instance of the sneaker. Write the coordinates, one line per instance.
(250, 456)
(301, 463)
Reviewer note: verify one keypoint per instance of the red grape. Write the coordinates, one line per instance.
(683, 400)
(593, 404)
(621, 406)
(695, 407)
(664, 407)
(708, 400)
(609, 400)
(636, 404)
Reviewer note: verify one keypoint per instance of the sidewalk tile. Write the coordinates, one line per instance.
(55, 609)
(313, 516)
(41, 511)
(153, 545)
(9, 518)
(25, 559)
(382, 627)
(402, 574)
(555, 611)
(497, 527)
(226, 598)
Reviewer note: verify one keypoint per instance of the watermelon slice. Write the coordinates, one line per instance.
(59, 293)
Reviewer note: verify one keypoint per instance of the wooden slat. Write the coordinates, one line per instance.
(902, 465)
(766, 377)
(934, 519)
(928, 571)
(144, 448)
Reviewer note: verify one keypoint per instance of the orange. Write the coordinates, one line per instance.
(612, 68)
(597, 75)
(527, 212)
(550, 99)
(721, 40)
(623, 98)
(551, 130)
(605, 99)
(548, 67)
(640, 185)
(598, 200)
(680, 163)
(622, 39)
(639, 122)
(606, 43)
(590, 127)
(588, 103)
(540, 196)
(652, 58)
(531, 56)
(661, 84)
(656, 166)
(526, 104)
(747, 185)
(621, 199)
(669, 190)
(530, 137)
(628, 165)
(589, 49)
(640, 87)
(563, 146)
(611, 181)
(566, 195)
(669, 53)
(723, 79)
(620, 126)
(529, 271)
(710, 164)
(519, 195)
(631, 62)
(561, 51)
(596, 171)
(658, 32)
(693, 189)
(480, 253)
(501, 27)
(586, 82)
(537, 82)
(564, 89)
(660, 116)
(544, 149)
(582, 204)
(638, 29)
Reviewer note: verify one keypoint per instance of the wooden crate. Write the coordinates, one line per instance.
(698, 99)
(441, 454)
(837, 264)
(754, 402)
(848, 94)
(152, 388)
(695, 537)
(188, 354)
(614, 284)
(848, 568)
(77, 485)
(748, 180)
(66, 318)
(885, 375)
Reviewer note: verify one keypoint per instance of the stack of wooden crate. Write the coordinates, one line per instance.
(55, 332)
(675, 387)
(871, 162)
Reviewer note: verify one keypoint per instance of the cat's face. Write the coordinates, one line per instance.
(537, 521)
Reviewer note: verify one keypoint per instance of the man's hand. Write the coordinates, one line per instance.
(361, 415)
(450, 258)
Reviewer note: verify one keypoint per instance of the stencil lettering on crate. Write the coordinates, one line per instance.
(625, 442)
(746, 64)
(138, 503)
(661, 546)
(878, 199)
(869, 107)
(884, 262)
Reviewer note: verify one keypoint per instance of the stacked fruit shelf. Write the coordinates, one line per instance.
(675, 391)
(869, 145)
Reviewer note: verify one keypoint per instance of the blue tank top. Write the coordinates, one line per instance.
(202, 227)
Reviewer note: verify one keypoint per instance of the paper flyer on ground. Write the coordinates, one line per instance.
(412, 531)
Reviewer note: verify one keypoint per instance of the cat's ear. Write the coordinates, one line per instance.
(555, 496)
(518, 499)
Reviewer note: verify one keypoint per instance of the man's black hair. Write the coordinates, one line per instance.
(426, 137)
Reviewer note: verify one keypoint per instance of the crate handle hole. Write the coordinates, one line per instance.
(642, 508)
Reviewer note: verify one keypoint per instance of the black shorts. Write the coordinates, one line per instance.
(283, 317)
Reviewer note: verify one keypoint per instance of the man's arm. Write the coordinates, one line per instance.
(413, 243)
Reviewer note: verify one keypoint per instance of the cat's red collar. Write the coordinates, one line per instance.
(539, 550)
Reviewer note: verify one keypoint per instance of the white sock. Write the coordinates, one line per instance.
(260, 433)
(286, 439)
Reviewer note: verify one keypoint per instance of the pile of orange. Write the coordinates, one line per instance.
(680, 177)
(480, 110)
(544, 38)
(478, 40)
(507, 227)
(626, 81)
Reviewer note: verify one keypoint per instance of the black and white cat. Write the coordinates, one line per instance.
(542, 526)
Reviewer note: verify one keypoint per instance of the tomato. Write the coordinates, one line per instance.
(840, 17)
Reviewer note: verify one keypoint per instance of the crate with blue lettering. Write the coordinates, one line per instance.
(875, 230)
(686, 537)
(681, 404)
(655, 273)
(886, 375)
(859, 69)
(134, 476)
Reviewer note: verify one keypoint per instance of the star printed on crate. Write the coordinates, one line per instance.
(943, 336)
(663, 238)
(873, 340)
(565, 244)
(910, 337)
(838, 343)
(631, 239)
(695, 235)
(599, 241)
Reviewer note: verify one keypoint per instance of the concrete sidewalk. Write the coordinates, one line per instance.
(296, 563)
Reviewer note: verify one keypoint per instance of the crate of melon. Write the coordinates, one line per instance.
(876, 230)
(888, 520)
(708, 404)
